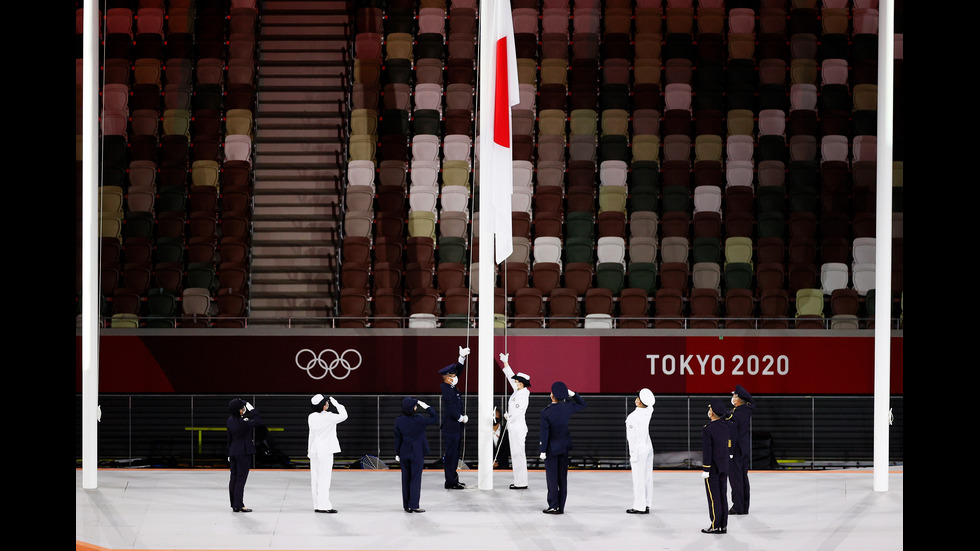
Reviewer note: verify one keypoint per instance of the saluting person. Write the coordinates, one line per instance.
(322, 444)
(241, 448)
(516, 422)
(556, 442)
(453, 420)
(411, 447)
(741, 418)
(641, 452)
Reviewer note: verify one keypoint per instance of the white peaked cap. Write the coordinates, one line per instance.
(646, 396)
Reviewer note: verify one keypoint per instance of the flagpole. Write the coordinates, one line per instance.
(485, 88)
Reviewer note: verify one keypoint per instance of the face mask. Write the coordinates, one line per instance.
(733, 401)
(453, 381)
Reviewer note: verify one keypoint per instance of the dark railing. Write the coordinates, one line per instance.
(185, 431)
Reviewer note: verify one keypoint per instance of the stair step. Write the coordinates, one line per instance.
(299, 58)
(326, 17)
(289, 70)
(323, 133)
(297, 161)
(303, 6)
(314, 94)
(322, 41)
(269, 247)
(276, 200)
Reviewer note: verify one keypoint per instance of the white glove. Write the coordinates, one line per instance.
(464, 418)
(464, 352)
(571, 393)
(704, 474)
(544, 455)
(423, 405)
(333, 401)
(398, 459)
(504, 358)
(248, 407)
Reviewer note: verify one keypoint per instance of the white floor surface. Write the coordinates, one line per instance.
(188, 509)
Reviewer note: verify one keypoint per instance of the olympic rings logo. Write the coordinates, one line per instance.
(317, 360)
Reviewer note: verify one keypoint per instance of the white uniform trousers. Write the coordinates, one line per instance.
(321, 469)
(642, 471)
(518, 453)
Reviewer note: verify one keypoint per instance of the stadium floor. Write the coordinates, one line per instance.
(800, 510)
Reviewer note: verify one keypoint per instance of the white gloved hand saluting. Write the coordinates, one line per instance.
(571, 393)
(248, 406)
(334, 401)
(504, 358)
(423, 405)
(464, 418)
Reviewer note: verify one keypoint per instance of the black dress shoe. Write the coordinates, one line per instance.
(732, 511)
(512, 487)
(414, 510)
(456, 486)
(551, 511)
(714, 530)
(242, 510)
(638, 512)
(325, 510)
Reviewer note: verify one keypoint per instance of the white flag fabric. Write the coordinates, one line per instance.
(496, 153)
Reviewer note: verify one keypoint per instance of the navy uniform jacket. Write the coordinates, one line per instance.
(240, 433)
(410, 440)
(452, 405)
(555, 436)
(716, 441)
(741, 439)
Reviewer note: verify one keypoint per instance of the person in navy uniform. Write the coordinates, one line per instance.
(453, 419)
(242, 419)
(555, 443)
(741, 418)
(411, 446)
(716, 441)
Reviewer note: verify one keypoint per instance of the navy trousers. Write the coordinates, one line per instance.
(411, 481)
(556, 471)
(716, 489)
(739, 481)
(451, 441)
(240, 464)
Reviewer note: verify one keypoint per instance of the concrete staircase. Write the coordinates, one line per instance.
(299, 158)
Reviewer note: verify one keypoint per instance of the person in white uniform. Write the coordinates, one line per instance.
(516, 424)
(323, 443)
(641, 452)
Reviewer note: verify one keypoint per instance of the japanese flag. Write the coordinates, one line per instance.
(496, 154)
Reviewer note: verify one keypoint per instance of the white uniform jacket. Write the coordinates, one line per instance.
(323, 432)
(516, 404)
(638, 432)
